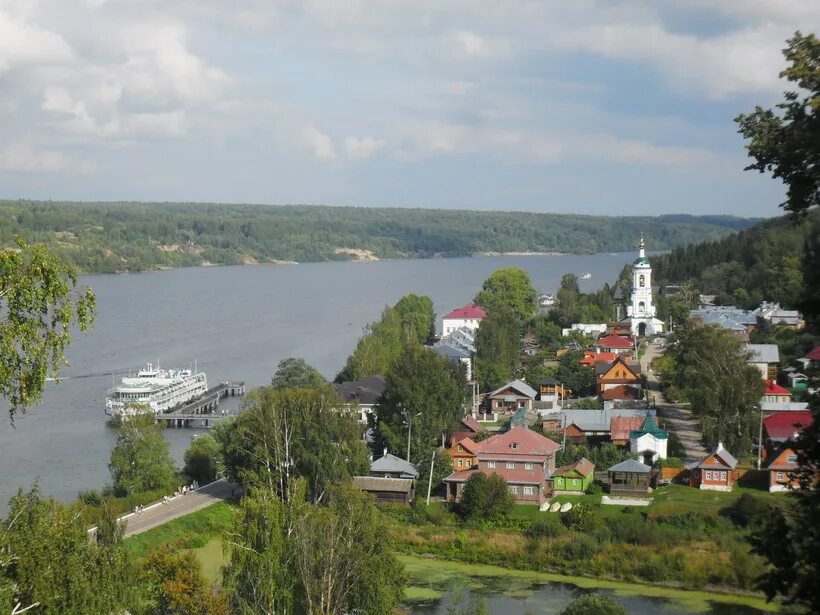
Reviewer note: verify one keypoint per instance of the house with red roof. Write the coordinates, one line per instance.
(614, 343)
(524, 458)
(783, 463)
(783, 426)
(592, 358)
(773, 392)
(471, 428)
(782, 429)
(469, 317)
(621, 426)
(715, 472)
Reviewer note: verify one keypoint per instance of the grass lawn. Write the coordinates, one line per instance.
(428, 577)
(673, 499)
(212, 560)
(192, 531)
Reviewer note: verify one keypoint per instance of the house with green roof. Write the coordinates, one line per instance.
(649, 442)
(573, 479)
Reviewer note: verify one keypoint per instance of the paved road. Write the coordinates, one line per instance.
(679, 415)
(178, 506)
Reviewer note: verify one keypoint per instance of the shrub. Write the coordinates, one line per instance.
(90, 497)
(544, 527)
(593, 604)
(582, 517)
(486, 498)
(581, 547)
(669, 462)
(595, 487)
(746, 510)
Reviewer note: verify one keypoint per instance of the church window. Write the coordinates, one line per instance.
(641, 307)
(641, 281)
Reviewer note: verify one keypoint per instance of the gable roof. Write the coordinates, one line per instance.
(378, 483)
(763, 353)
(451, 352)
(526, 442)
(780, 460)
(770, 387)
(783, 426)
(598, 420)
(518, 385)
(813, 354)
(468, 312)
(621, 391)
(649, 427)
(602, 369)
(593, 358)
(630, 465)
(583, 466)
(621, 426)
(724, 456)
(394, 465)
(613, 341)
(472, 424)
(468, 444)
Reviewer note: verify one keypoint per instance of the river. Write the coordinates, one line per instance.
(237, 323)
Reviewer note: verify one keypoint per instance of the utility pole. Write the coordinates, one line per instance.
(760, 439)
(409, 429)
(430, 482)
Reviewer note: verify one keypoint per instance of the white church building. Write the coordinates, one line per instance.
(641, 311)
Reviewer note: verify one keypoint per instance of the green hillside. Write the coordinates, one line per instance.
(110, 237)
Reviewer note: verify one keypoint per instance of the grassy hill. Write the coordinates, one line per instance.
(111, 237)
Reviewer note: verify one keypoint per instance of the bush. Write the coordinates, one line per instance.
(594, 604)
(581, 547)
(544, 527)
(202, 459)
(746, 510)
(90, 497)
(595, 487)
(486, 498)
(669, 462)
(582, 517)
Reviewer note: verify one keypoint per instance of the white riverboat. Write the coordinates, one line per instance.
(156, 389)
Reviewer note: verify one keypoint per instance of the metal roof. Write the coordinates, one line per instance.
(520, 386)
(376, 483)
(631, 465)
(764, 353)
(393, 465)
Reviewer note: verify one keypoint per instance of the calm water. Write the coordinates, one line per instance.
(238, 322)
(552, 598)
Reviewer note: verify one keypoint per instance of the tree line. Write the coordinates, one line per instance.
(111, 237)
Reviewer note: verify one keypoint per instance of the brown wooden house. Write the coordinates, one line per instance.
(618, 380)
(714, 472)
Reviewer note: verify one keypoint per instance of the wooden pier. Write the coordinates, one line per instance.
(203, 411)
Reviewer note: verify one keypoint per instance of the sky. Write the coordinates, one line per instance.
(582, 106)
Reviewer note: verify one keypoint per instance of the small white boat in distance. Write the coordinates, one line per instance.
(586, 276)
(555, 507)
(566, 507)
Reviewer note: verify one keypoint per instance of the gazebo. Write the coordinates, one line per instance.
(630, 477)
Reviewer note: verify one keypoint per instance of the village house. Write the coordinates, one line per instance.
(621, 426)
(770, 314)
(469, 317)
(739, 322)
(618, 381)
(649, 441)
(468, 428)
(390, 466)
(362, 394)
(573, 479)
(773, 392)
(524, 458)
(782, 463)
(463, 453)
(781, 430)
(551, 394)
(511, 397)
(781, 427)
(585, 329)
(582, 424)
(592, 358)
(812, 358)
(391, 479)
(715, 471)
(630, 477)
(615, 344)
(766, 358)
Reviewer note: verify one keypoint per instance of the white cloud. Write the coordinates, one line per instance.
(363, 147)
(23, 43)
(318, 143)
(25, 158)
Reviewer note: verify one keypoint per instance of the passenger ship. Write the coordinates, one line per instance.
(154, 388)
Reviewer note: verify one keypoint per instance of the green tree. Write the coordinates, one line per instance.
(425, 392)
(547, 331)
(294, 372)
(284, 434)
(416, 312)
(510, 290)
(486, 498)
(173, 583)
(140, 460)
(580, 379)
(710, 366)
(497, 350)
(593, 604)
(39, 304)
(48, 564)
(344, 558)
(260, 576)
(787, 143)
(202, 459)
(378, 348)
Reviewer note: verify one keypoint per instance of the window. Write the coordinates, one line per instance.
(513, 489)
(780, 477)
(458, 463)
(792, 459)
(723, 476)
(460, 448)
(511, 465)
(641, 281)
(529, 490)
(514, 445)
(491, 465)
(528, 466)
(708, 475)
(641, 307)
(574, 482)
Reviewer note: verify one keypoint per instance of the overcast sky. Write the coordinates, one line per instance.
(555, 106)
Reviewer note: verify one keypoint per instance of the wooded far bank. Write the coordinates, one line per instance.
(132, 236)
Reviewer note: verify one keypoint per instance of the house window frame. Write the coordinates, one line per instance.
(491, 465)
(780, 478)
(708, 475)
(511, 465)
(574, 482)
(529, 490)
(513, 489)
(791, 459)
(528, 466)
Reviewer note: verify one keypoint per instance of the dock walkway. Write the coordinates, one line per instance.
(204, 410)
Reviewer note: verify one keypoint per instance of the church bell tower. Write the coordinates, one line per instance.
(641, 311)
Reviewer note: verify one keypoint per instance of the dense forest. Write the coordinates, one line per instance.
(761, 262)
(110, 237)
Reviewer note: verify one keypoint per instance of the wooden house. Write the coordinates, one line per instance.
(715, 471)
(618, 380)
(783, 463)
(511, 397)
(387, 490)
(463, 453)
(573, 479)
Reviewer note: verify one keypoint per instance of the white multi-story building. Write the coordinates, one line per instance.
(469, 316)
(641, 311)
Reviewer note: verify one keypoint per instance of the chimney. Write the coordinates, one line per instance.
(385, 451)
(720, 445)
